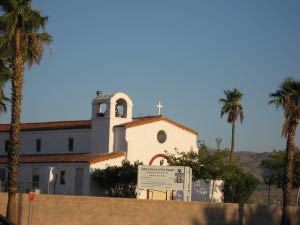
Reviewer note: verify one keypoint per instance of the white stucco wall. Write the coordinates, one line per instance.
(102, 134)
(46, 185)
(120, 143)
(143, 144)
(52, 141)
(107, 163)
(207, 191)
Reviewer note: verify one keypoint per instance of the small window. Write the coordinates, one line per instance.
(161, 136)
(7, 145)
(35, 178)
(62, 177)
(2, 175)
(2, 179)
(38, 145)
(71, 144)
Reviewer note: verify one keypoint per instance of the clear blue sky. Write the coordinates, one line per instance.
(184, 53)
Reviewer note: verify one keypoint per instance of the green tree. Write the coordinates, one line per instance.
(274, 166)
(232, 107)
(288, 97)
(239, 185)
(21, 24)
(196, 160)
(118, 181)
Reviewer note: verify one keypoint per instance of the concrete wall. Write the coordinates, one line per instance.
(52, 142)
(65, 210)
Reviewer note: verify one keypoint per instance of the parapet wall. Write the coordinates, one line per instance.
(73, 210)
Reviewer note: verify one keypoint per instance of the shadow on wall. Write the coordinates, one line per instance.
(261, 214)
(229, 214)
(213, 214)
(5, 221)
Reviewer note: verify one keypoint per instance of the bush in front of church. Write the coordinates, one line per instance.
(118, 181)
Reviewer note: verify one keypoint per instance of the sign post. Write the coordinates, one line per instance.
(31, 197)
(174, 178)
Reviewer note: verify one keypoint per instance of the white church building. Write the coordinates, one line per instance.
(59, 157)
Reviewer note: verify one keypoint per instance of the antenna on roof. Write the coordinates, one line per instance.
(98, 93)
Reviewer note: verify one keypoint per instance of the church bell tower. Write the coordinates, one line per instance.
(108, 110)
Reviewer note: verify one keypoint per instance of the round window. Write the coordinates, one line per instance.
(161, 136)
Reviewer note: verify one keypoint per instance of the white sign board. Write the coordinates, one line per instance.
(176, 178)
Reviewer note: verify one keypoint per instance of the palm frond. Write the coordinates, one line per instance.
(288, 97)
(231, 105)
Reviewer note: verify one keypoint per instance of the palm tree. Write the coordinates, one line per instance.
(21, 24)
(288, 97)
(234, 109)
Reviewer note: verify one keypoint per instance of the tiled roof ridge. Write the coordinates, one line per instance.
(72, 124)
(145, 117)
(151, 119)
(65, 158)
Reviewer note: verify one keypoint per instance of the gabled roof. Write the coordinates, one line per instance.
(59, 125)
(151, 119)
(65, 158)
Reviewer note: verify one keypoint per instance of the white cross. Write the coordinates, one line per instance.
(159, 106)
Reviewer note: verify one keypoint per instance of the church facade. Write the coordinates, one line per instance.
(59, 157)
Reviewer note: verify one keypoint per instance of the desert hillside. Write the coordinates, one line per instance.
(250, 161)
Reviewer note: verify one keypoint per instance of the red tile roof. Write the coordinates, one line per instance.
(81, 124)
(60, 125)
(151, 119)
(65, 158)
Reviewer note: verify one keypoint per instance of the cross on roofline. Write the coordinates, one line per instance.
(159, 106)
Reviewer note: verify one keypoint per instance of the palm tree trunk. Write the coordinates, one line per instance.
(298, 195)
(232, 142)
(289, 159)
(14, 152)
(269, 193)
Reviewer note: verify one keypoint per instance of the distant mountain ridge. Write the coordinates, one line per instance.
(250, 161)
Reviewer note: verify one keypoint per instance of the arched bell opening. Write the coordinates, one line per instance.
(103, 109)
(121, 108)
